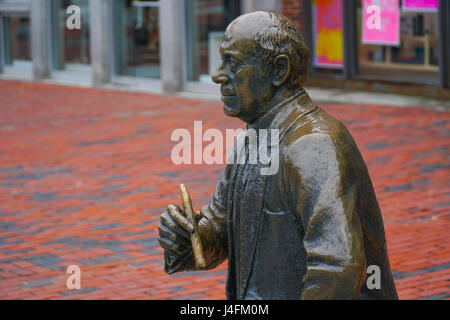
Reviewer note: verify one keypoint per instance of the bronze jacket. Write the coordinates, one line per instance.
(310, 230)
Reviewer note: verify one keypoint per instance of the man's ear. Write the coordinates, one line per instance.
(281, 70)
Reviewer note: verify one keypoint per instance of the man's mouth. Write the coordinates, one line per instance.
(227, 92)
(227, 98)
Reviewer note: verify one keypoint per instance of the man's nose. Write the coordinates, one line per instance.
(219, 75)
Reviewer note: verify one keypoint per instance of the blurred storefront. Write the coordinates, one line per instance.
(172, 45)
(396, 41)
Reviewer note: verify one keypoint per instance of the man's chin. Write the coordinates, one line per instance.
(229, 111)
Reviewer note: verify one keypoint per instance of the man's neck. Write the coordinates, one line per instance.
(279, 100)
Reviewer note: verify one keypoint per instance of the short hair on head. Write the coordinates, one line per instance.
(282, 37)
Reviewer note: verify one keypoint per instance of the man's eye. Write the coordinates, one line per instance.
(234, 64)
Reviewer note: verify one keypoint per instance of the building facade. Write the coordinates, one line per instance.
(172, 45)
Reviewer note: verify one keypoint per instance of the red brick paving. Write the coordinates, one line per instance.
(85, 173)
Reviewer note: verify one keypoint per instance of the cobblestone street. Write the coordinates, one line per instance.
(85, 174)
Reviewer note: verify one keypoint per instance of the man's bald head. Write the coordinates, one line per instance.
(271, 34)
(248, 25)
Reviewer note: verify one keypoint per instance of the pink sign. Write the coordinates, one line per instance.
(327, 33)
(421, 5)
(381, 22)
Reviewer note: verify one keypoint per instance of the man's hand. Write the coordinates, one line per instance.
(174, 230)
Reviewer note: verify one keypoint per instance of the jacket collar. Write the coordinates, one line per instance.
(292, 112)
(265, 120)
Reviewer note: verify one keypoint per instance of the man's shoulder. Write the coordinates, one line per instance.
(316, 122)
(319, 134)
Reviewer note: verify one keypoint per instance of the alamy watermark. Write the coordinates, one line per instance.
(256, 147)
(73, 21)
(374, 17)
(74, 280)
(374, 279)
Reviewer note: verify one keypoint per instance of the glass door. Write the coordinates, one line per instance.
(136, 39)
(206, 24)
(15, 39)
(70, 46)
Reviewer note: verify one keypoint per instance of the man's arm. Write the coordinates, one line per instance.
(322, 190)
(212, 230)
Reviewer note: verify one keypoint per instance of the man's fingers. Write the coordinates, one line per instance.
(180, 219)
(168, 222)
(168, 244)
(165, 232)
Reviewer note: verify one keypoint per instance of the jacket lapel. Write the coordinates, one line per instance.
(254, 192)
(250, 223)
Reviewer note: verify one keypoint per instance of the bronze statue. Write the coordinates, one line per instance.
(310, 230)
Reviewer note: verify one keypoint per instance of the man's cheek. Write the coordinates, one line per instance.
(246, 91)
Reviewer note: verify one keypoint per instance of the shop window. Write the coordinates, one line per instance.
(206, 24)
(415, 56)
(71, 46)
(136, 38)
(17, 41)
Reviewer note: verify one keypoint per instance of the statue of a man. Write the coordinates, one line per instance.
(308, 231)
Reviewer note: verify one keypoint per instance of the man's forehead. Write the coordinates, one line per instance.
(235, 39)
(237, 31)
(230, 44)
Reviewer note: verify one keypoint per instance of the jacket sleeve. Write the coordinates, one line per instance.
(212, 230)
(322, 189)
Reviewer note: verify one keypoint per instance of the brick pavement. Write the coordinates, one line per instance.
(85, 173)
